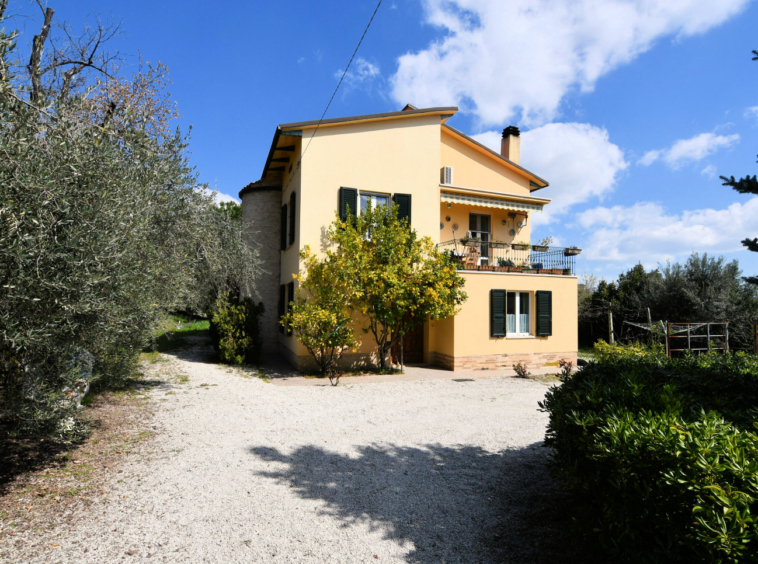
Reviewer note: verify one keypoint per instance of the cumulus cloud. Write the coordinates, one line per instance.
(690, 150)
(517, 59)
(362, 73)
(646, 230)
(578, 160)
(218, 197)
(709, 171)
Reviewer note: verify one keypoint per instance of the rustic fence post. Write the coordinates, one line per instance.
(668, 348)
(610, 327)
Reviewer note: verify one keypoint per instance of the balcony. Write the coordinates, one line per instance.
(493, 256)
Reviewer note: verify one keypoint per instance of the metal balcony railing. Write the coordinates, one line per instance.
(510, 257)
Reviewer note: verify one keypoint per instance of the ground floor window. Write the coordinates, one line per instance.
(518, 313)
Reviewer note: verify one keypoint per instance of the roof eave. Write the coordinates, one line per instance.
(387, 115)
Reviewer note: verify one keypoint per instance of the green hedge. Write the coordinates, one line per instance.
(663, 453)
(235, 329)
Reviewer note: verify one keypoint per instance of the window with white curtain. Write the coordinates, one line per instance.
(518, 313)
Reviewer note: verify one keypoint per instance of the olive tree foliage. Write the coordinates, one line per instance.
(703, 288)
(394, 279)
(320, 317)
(103, 225)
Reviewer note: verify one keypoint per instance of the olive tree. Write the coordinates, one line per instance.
(103, 224)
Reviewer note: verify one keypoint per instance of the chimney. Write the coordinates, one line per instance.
(510, 146)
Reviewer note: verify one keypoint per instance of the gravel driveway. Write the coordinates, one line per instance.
(242, 470)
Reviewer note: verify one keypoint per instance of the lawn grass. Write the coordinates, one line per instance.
(176, 332)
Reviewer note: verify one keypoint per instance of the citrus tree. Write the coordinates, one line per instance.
(395, 279)
(320, 316)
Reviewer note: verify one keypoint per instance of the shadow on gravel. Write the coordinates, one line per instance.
(454, 504)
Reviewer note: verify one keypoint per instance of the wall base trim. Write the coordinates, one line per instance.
(535, 362)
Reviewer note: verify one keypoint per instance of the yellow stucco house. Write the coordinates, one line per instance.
(474, 202)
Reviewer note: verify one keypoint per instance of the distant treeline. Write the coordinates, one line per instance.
(702, 289)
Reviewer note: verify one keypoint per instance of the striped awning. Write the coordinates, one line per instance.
(490, 202)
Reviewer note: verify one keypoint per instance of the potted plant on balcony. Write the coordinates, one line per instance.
(498, 244)
(521, 246)
(571, 251)
(556, 271)
(507, 265)
(527, 268)
(470, 241)
(544, 245)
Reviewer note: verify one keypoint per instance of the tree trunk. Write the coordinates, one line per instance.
(38, 46)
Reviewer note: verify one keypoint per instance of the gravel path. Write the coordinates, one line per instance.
(245, 471)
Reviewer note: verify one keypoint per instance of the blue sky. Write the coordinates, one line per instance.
(630, 108)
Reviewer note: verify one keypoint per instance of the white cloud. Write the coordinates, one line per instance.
(218, 197)
(649, 158)
(646, 231)
(577, 159)
(709, 171)
(504, 59)
(361, 73)
(690, 150)
(751, 112)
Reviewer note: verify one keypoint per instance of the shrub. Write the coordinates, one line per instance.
(521, 371)
(320, 317)
(235, 329)
(605, 351)
(664, 454)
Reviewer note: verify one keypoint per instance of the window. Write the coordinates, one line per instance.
(518, 313)
(372, 201)
(283, 228)
(293, 219)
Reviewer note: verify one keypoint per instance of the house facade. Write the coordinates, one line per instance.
(476, 204)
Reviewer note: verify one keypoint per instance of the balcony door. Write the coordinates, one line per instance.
(479, 225)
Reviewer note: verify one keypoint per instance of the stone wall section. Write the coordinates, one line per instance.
(534, 362)
(261, 216)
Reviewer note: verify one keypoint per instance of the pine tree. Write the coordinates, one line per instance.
(746, 185)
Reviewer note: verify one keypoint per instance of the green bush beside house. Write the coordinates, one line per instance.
(663, 454)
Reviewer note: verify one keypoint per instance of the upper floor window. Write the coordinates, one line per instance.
(371, 201)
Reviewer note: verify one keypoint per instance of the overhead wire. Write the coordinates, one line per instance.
(344, 73)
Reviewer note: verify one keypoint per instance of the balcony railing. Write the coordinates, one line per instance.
(510, 257)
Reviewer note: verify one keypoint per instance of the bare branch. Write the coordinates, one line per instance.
(38, 47)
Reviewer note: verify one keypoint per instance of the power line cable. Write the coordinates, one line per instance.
(365, 31)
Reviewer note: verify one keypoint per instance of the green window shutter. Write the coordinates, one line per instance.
(544, 313)
(282, 297)
(290, 298)
(283, 235)
(348, 201)
(292, 218)
(497, 313)
(403, 203)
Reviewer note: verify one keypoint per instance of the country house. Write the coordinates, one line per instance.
(477, 204)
